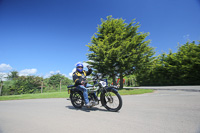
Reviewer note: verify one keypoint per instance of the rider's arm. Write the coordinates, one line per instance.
(88, 72)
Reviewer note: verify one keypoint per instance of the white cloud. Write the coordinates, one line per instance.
(53, 73)
(5, 67)
(3, 76)
(27, 72)
(187, 37)
(85, 64)
(70, 74)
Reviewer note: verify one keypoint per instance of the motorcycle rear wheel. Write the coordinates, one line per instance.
(112, 101)
(77, 99)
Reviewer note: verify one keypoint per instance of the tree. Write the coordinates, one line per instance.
(55, 80)
(25, 85)
(1, 85)
(188, 62)
(13, 75)
(1, 82)
(118, 49)
(180, 68)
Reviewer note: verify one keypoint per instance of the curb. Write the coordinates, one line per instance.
(169, 88)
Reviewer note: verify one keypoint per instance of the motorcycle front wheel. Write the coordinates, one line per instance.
(77, 99)
(112, 101)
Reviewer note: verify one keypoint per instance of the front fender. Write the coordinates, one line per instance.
(111, 89)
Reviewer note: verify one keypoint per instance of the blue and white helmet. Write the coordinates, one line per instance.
(78, 66)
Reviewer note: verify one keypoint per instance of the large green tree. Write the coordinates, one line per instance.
(118, 49)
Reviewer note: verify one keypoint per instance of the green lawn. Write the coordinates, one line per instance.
(66, 95)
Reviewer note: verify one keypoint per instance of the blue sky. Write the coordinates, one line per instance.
(44, 37)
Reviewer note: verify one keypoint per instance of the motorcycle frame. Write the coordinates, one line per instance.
(99, 90)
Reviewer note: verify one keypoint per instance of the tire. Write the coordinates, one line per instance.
(77, 99)
(112, 101)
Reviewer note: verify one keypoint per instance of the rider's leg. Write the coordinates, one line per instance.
(95, 96)
(85, 93)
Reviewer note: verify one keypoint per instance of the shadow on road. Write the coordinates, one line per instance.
(86, 109)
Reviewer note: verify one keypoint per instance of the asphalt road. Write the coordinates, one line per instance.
(164, 111)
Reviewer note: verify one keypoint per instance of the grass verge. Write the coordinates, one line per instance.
(66, 95)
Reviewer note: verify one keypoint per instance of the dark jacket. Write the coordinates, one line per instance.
(79, 77)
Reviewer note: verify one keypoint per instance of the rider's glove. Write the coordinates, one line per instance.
(88, 67)
(82, 82)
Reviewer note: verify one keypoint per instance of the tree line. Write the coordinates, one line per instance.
(180, 68)
(117, 49)
(33, 84)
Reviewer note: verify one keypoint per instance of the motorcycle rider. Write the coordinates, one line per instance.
(79, 77)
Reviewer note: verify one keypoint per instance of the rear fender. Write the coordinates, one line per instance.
(75, 90)
(72, 90)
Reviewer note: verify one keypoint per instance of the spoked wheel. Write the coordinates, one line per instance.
(77, 99)
(112, 101)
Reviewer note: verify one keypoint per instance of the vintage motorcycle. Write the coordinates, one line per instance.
(109, 96)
